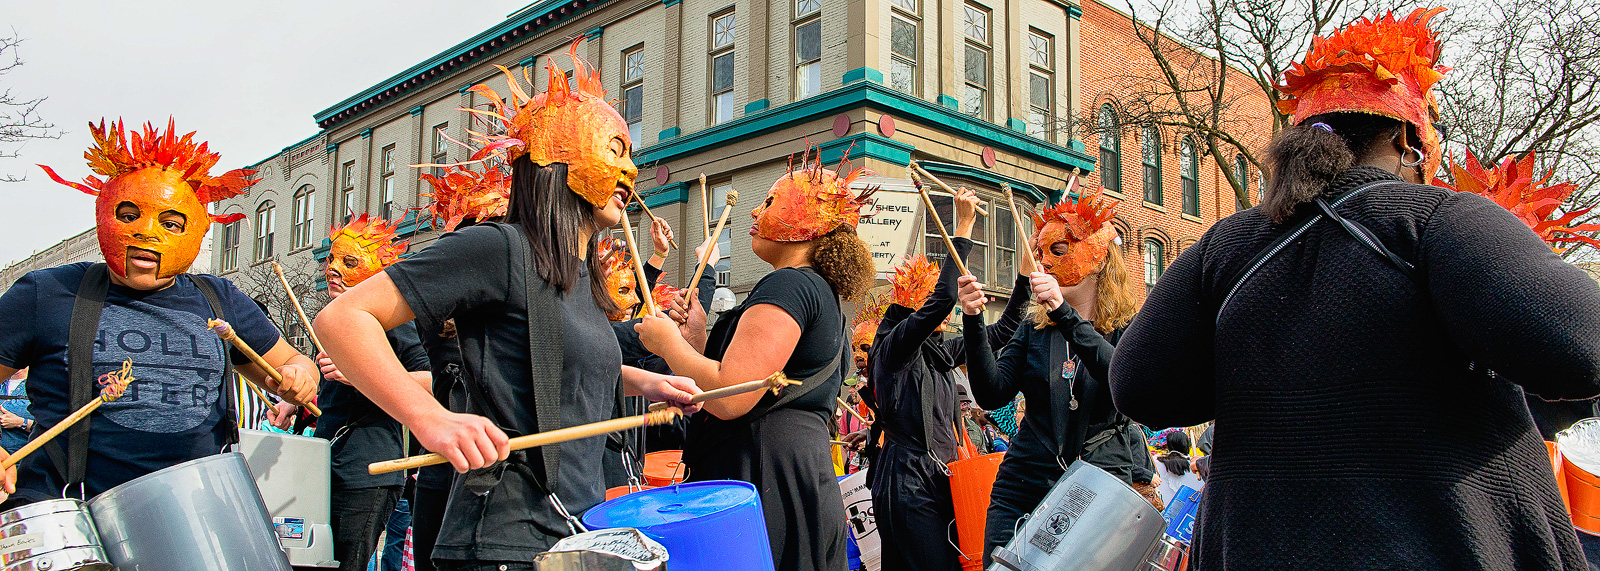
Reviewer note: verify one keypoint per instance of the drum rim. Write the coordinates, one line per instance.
(224, 458)
(44, 508)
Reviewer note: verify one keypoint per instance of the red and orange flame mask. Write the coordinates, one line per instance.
(913, 282)
(868, 315)
(1083, 227)
(463, 194)
(810, 202)
(361, 249)
(1385, 67)
(568, 123)
(150, 211)
(1513, 187)
(622, 282)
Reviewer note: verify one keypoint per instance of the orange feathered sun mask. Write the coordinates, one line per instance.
(1512, 186)
(1384, 67)
(362, 248)
(463, 194)
(1084, 227)
(570, 123)
(807, 203)
(152, 205)
(913, 282)
(622, 283)
(868, 315)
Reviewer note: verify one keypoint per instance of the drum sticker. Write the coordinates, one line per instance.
(289, 527)
(1061, 520)
(21, 542)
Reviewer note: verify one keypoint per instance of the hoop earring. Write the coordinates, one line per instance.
(1420, 158)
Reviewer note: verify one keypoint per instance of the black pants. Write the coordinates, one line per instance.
(912, 506)
(1018, 489)
(484, 566)
(359, 517)
(427, 515)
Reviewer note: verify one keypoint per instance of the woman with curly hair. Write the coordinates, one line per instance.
(1059, 364)
(792, 322)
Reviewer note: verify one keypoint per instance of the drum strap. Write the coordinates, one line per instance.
(229, 414)
(82, 330)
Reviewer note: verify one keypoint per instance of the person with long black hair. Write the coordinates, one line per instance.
(792, 321)
(1389, 326)
(1058, 362)
(913, 372)
(537, 349)
(1173, 464)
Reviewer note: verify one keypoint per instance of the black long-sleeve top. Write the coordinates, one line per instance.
(911, 366)
(1354, 414)
(1033, 362)
(633, 352)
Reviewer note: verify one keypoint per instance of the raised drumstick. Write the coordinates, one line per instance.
(670, 241)
(648, 301)
(774, 383)
(705, 208)
(733, 198)
(940, 183)
(300, 311)
(541, 439)
(225, 331)
(934, 214)
(1022, 233)
(114, 384)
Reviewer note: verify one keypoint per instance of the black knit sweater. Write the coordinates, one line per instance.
(1357, 425)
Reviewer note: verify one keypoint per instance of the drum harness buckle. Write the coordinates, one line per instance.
(82, 495)
(573, 525)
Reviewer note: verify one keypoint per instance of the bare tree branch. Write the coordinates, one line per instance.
(20, 121)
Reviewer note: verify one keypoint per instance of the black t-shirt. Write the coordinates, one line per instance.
(476, 276)
(444, 359)
(174, 410)
(368, 434)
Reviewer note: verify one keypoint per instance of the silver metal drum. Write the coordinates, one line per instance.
(201, 515)
(616, 549)
(1090, 521)
(53, 535)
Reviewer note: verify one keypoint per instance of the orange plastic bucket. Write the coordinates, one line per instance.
(971, 481)
(1583, 495)
(664, 468)
(619, 491)
(1556, 459)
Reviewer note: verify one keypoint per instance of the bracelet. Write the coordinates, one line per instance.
(662, 254)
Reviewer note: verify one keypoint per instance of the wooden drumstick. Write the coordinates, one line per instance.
(774, 383)
(116, 382)
(852, 411)
(300, 311)
(946, 187)
(1022, 233)
(225, 331)
(733, 198)
(541, 439)
(950, 247)
(647, 301)
(670, 241)
(705, 208)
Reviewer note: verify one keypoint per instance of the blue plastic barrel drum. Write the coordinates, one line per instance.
(716, 524)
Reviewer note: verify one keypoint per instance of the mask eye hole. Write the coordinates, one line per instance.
(1060, 248)
(127, 212)
(351, 262)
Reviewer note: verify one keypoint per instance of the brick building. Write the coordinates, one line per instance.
(1156, 219)
(978, 89)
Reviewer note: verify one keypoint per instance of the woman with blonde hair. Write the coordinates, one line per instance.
(792, 322)
(1082, 303)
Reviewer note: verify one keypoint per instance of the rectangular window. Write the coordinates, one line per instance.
(1005, 244)
(266, 218)
(977, 261)
(386, 205)
(975, 97)
(345, 207)
(304, 208)
(907, 5)
(230, 244)
(1041, 84)
(633, 93)
(441, 148)
(933, 244)
(903, 54)
(808, 57)
(722, 42)
(724, 268)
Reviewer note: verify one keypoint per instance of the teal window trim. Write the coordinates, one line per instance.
(1041, 195)
(866, 146)
(657, 197)
(873, 95)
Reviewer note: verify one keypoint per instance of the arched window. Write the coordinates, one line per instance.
(266, 218)
(1189, 171)
(1241, 172)
(304, 212)
(1110, 150)
(1154, 261)
(1150, 149)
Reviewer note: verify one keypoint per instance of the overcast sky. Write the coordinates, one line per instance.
(246, 75)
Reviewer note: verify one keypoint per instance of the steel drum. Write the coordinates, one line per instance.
(618, 549)
(201, 515)
(54, 535)
(1090, 521)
